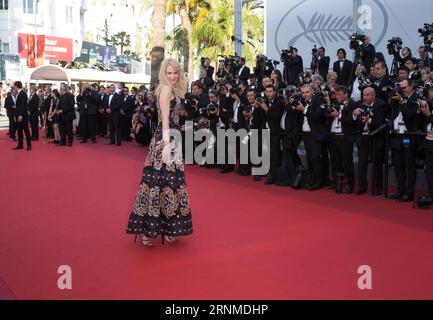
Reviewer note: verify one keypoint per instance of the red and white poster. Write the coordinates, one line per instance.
(49, 48)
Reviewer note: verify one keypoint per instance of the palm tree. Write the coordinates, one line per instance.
(158, 38)
(189, 11)
(121, 39)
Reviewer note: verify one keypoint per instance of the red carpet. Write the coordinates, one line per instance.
(70, 206)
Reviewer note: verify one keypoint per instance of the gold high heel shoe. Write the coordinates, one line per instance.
(170, 239)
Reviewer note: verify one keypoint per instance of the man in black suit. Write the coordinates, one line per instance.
(424, 59)
(382, 80)
(368, 51)
(209, 69)
(243, 72)
(294, 67)
(404, 118)
(101, 117)
(127, 110)
(343, 68)
(89, 103)
(291, 127)
(205, 80)
(344, 133)
(21, 117)
(10, 106)
(66, 112)
(314, 133)
(274, 109)
(320, 63)
(33, 109)
(113, 103)
(370, 113)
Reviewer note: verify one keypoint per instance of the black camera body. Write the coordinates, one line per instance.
(366, 111)
(356, 40)
(297, 99)
(427, 34)
(394, 45)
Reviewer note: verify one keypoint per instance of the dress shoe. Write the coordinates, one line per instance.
(377, 192)
(61, 144)
(111, 144)
(269, 181)
(14, 139)
(329, 186)
(83, 141)
(396, 196)
(313, 187)
(69, 144)
(361, 192)
(18, 148)
(257, 178)
(93, 140)
(29, 148)
(406, 198)
(118, 144)
(349, 190)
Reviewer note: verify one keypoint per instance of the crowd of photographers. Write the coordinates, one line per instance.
(331, 110)
(358, 105)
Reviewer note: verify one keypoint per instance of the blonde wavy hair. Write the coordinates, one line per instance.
(179, 89)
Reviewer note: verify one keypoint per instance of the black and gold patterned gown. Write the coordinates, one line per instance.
(162, 201)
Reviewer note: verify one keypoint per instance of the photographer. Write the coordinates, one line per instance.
(127, 111)
(424, 58)
(381, 82)
(294, 67)
(404, 110)
(146, 115)
(88, 102)
(361, 81)
(427, 122)
(320, 63)
(343, 137)
(274, 109)
(314, 133)
(370, 114)
(368, 51)
(291, 126)
(343, 68)
(206, 82)
(263, 68)
(258, 122)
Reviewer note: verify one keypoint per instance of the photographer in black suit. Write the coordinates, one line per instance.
(209, 69)
(368, 51)
(21, 117)
(127, 110)
(314, 133)
(343, 68)
(33, 109)
(89, 105)
(320, 63)
(404, 118)
(66, 111)
(370, 113)
(294, 67)
(291, 127)
(344, 133)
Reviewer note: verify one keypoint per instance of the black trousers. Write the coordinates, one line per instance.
(405, 168)
(34, 123)
(275, 151)
(429, 168)
(313, 149)
(23, 126)
(371, 148)
(290, 158)
(326, 151)
(12, 126)
(101, 120)
(342, 158)
(115, 133)
(67, 132)
(126, 125)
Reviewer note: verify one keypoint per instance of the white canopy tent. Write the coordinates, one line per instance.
(58, 74)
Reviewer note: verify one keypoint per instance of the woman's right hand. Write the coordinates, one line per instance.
(167, 153)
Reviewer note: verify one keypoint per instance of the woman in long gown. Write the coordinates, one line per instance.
(162, 201)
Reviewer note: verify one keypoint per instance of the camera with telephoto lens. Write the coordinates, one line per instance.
(286, 54)
(212, 108)
(356, 40)
(305, 78)
(393, 90)
(366, 111)
(330, 108)
(420, 103)
(427, 34)
(260, 100)
(248, 109)
(427, 88)
(365, 81)
(297, 99)
(394, 45)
